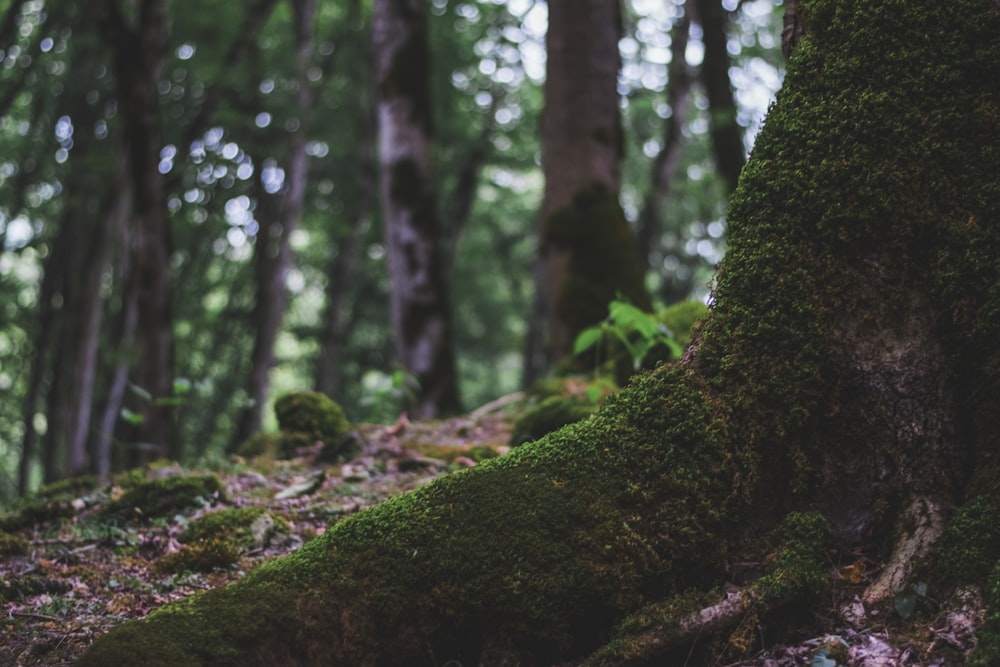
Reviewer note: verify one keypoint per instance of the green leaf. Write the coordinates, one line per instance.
(587, 339)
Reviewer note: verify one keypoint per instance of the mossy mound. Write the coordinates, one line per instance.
(251, 526)
(304, 418)
(48, 503)
(12, 545)
(163, 497)
(219, 552)
(548, 415)
(311, 413)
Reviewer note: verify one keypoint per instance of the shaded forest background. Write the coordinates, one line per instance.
(190, 218)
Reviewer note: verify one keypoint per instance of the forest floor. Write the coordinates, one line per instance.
(79, 574)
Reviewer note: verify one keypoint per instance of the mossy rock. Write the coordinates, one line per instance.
(12, 545)
(311, 413)
(162, 497)
(48, 503)
(217, 553)
(550, 414)
(251, 526)
(266, 445)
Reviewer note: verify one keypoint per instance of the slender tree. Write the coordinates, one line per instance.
(415, 246)
(842, 393)
(664, 165)
(727, 136)
(279, 214)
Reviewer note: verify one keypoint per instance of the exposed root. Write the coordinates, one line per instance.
(920, 527)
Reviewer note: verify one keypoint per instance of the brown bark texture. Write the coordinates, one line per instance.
(420, 300)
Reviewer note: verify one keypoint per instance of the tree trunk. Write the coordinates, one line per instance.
(138, 55)
(279, 215)
(415, 245)
(664, 166)
(727, 135)
(846, 376)
(586, 249)
(340, 275)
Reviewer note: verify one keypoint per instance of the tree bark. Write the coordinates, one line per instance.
(727, 136)
(664, 166)
(138, 55)
(415, 245)
(340, 275)
(586, 250)
(846, 378)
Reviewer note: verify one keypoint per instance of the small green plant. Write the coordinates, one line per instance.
(386, 394)
(637, 331)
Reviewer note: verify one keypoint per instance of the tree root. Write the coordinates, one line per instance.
(920, 527)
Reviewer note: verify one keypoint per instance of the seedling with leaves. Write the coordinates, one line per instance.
(638, 332)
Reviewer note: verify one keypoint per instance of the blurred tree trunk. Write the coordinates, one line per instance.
(727, 135)
(586, 249)
(71, 306)
(278, 213)
(415, 244)
(664, 166)
(343, 264)
(139, 51)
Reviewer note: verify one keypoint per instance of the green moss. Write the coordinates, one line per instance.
(799, 563)
(603, 263)
(873, 180)
(50, 502)
(217, 552)
(548, 415)
(970, 546)
(243, 524)
(162, 497)
(307, 416)
(681, 317)
(988, 651)
(12, 545)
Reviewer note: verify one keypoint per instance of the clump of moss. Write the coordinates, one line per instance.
(798, 564)
(12, 545)
(311, 413)
(988, 652)
(48, 503)
(304, 418)
(161, 497)
(603, 262)
(680, 318)
(550, 414)
(219, 552)
(251, 526)
(970, 545)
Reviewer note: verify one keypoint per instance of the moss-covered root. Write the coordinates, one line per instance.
(797, 572)
(529, 558)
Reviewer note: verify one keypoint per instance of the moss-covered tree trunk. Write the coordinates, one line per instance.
(847, 375)
(586, 248)
(415, 241)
